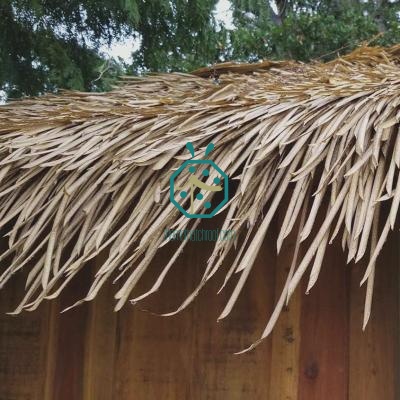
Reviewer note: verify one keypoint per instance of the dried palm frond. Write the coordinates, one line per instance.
(84, 172)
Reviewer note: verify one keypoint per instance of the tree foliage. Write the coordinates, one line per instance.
(177, 35)
(304, 30)
(51, 44)
(47, 44)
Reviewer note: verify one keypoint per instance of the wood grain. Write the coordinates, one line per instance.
(224, 374)
(317, 350)
(100, 345)
(374, 354)
(23, 346)
(153, 353)
(67, 354)
(324, 332)
(286, 336)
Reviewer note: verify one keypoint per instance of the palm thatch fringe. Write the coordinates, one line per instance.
(84, 172)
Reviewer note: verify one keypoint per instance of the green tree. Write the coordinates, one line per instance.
(47, 44)
(177, 35)
(50, 44)
(304, 30)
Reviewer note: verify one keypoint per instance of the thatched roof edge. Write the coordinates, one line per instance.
(85, 172)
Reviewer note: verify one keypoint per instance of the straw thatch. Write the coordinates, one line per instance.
(84, 172)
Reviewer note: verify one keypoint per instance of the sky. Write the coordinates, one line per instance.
(124, 48)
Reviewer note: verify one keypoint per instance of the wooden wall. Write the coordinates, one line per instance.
(316, 352)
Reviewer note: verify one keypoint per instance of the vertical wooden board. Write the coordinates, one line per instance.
(286, 336)
(22, 347)
(218, 373)
(153, 358)
(324, 332)
(100, 346)
(396, 250)
(23, 343)
(190, 355)
(66, 354)
(374, 353)
(50, 340)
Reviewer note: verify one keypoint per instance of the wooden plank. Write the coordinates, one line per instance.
(324, 332)
(395, 240)
(22, 352)
(92, 353)
(49, 338)
(190, 355)
(100, 345)
(66, 355)
(153, 358)
(219, 374)
(22, 346)
(374, 354)
(286, 336)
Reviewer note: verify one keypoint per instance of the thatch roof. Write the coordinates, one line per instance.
(84, 172)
